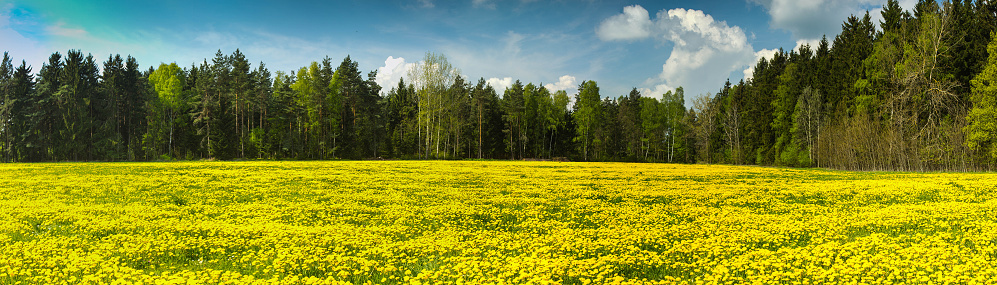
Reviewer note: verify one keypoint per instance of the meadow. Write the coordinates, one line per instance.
(466, 222)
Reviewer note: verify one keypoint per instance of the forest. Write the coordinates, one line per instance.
(917, 92)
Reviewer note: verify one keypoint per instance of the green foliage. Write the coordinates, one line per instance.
(168, 83)
(402, 120)
(6, 103)
(587, 109)
(20, 88)
(356, 102)
(784, 106)
(514, 106)
(434, 78)
(983, 115)
(893, 16)
(807, 121)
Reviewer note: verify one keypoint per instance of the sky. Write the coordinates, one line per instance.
(654, 46)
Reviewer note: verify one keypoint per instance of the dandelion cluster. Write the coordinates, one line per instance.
(457, 222)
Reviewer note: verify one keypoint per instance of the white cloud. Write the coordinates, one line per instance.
(567, 83)
(512, 42)
(908, 5)
(633, 24)
(60, 29)
(212, 38)
(657, 91)
(705, 51)
(682, 24)
(812, 19)
(392, 71)
(487, 4)
(499, 84)
(426, 3)
(812, 43)
(759, 55)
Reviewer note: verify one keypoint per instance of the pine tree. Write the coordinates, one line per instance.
(21, 92)
(6, 102)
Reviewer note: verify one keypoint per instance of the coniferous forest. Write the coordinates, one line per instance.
(915, 92)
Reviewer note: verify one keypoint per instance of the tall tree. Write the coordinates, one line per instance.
(490, 124)
(132, 108)
(587, 109)
(732, 100)
(402, 120)
(480, 99)
(312, 101)
(555, 121)
(20, 141)
(784, 106)
(893, 16)
(238, 93)
(758, 136)
(630, 123)
(706, 124)
(851, 47)
(168, 81)
(927, 93)
(807, 121)
(43, 114)
(282, 139)
(112, 87)
(359, 123)
(75, 100)
(673, 112)
(221, 134)
(6, 102)
(258, 108)
(432, 77)
(982, 129)
(514, 107)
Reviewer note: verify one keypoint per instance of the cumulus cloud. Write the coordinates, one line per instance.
(812, 19)
(499, 84)
(813, 43)
(705, 51)
(392, 71)
(759, 55)
(657, 91)
(633, 24)
(567, 83)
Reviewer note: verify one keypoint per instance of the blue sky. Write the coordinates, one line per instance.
(654, 46)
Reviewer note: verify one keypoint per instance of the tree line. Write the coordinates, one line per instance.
(916, 94)
(71, 110)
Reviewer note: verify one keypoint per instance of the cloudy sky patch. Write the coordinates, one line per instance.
(654, 46)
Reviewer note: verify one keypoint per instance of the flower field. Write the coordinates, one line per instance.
(446, 222)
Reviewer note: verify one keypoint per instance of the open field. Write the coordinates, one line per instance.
(447, 222)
